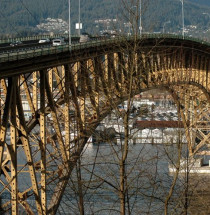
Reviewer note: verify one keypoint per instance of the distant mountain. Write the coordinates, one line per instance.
(23, 17)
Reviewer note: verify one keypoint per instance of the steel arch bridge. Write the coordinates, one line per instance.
(68, 92)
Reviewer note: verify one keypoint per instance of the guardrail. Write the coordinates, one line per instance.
(37, 37)
(23, 54)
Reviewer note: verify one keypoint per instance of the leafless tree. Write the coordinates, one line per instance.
(130, 181)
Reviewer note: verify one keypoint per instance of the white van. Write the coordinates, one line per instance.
(84, 38)
(58, 42)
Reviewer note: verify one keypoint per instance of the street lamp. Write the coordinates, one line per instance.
(164, 25)
(79, 18)
(69, 24)
(78, 26)
(140, 26)
(182, 1)
(130, 19)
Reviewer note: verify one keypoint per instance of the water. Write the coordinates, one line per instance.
(148, 181)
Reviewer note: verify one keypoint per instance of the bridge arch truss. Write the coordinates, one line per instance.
(50, 106)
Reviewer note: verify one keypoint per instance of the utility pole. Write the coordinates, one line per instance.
(140, 26)
(79, 18)
(130, 19)
(164, 25)
(182, 1)
(69, 24)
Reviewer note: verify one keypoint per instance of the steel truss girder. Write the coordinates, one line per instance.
(52, 140)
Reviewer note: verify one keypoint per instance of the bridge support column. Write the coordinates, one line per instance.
(75, 73)
(122, 72)
(93, 86)
(106, 69)
(82, 71)
(35, 91)
(28, 152)
(25, 87)
(42, 143)
(208, 76)
(194, 109)
(50, 79)
(66, 111)
(12, 149)
(5, 117)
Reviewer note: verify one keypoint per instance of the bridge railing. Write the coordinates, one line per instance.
(31, 53)
(32, 38)
(38, 37)
(35, 52)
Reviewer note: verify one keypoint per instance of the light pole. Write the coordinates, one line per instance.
(69, 24)
(164, 25)
(182, 1)
(140, 26)
(79, 18)
(130, 19)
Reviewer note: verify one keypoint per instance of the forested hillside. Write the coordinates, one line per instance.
(201, 2)
(22, 16)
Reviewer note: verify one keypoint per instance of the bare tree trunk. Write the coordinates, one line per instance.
(122, 187)
(79, 180)
(168, 197)
(187, 186)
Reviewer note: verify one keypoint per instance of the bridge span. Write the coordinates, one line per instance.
(67, 91)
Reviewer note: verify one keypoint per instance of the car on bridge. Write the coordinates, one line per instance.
(16, 43)
(84, 37)
(58, 42)
(44, 40)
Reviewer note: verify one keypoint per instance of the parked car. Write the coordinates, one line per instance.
(44, 40)
(16, 43)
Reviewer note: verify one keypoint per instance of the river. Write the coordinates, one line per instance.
(148, 181)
